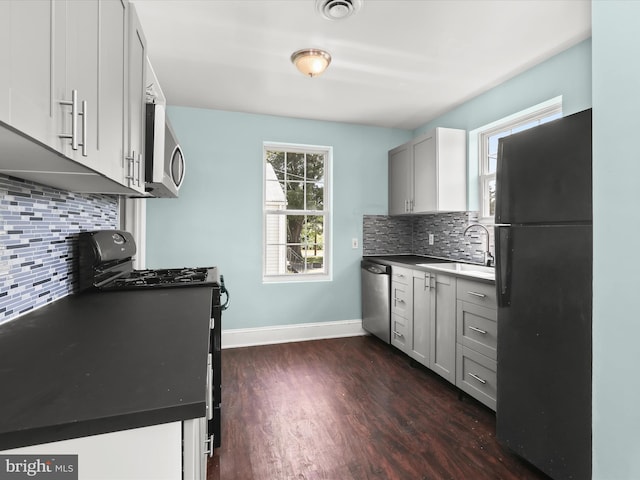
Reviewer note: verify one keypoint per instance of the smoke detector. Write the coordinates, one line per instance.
(337, 9)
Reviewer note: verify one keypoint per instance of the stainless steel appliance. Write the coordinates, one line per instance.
(105, 263)
(376, 299)
(544, 285)
(164, 161)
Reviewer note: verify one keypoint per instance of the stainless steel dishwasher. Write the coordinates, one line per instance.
(376, 299)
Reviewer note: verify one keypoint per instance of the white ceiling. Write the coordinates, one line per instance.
(396, 63)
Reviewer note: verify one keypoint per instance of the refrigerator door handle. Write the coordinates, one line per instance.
(503, 265)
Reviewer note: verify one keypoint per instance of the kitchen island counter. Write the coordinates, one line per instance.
(101, 362)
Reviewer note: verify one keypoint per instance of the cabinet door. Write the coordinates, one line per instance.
(5, 59)
(422, 311)
(451, 153)
(113, 32)
(137, 50)
(31, 67)
(477, 328)
(425, 174)
(400, 331)
(443, 328)
(80, 23)
(400, 175)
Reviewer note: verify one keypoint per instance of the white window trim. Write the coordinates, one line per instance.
(328, 209)
(478, 136)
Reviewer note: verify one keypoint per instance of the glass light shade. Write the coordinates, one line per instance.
(311, 62)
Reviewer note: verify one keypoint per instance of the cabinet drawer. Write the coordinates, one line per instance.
(401, 275)
(401, 299)
(477, 328)
(479, 293)
(476, 375)
(399, 331)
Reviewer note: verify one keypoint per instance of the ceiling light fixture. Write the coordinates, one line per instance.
(310, 61)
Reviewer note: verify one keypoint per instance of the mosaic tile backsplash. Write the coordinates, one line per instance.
(409, 235)
(37, 241)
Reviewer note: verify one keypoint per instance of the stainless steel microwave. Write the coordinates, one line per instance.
(164, 161)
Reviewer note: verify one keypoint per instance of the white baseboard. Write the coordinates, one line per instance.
(246, 337)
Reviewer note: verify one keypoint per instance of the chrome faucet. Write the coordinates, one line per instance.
(488, 258)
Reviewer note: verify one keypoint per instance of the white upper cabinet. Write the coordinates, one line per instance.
(136, 113)
(400, 179)
(5, 60)
(30, 68)
(76, 85)
(429, 174)
(113, 88)
(75, 89)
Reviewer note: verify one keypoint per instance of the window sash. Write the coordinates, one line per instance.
(487, 174)
(296, 259)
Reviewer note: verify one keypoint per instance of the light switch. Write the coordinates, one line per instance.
(354, 243)
(431, 239)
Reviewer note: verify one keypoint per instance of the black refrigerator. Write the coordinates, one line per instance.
(544, 243)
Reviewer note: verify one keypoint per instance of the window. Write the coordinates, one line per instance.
(296, 207)
(488, 137)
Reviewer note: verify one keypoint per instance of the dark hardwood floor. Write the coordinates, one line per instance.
(350, 408)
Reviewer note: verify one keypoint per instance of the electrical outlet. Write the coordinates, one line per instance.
(431, 239)
(354, 243)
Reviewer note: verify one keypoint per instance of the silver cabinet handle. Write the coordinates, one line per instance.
(74, 119)
(208, 446)
(397, 334)
(139, 169)
(476, 294)
(477, 378)
(476, 329)
(84, 128)
(130, 176)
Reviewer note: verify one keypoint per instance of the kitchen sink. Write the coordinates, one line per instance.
(463, 268)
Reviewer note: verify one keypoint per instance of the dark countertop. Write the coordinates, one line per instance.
(413, 262)
(104, 361)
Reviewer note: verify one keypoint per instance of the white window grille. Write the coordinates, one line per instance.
(297, 213)
(488, 137)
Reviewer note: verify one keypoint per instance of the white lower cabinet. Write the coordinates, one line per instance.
(442, 359)
(402, 308)
(149, 453)
(423, 318)
(194, 435)
(448, 324)
(477, 341)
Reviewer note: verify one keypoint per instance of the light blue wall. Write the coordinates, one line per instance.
(218, 218)
(567, 74)
(616, 198)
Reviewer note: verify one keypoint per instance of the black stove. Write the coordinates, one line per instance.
(166, 277)
(105, 263)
